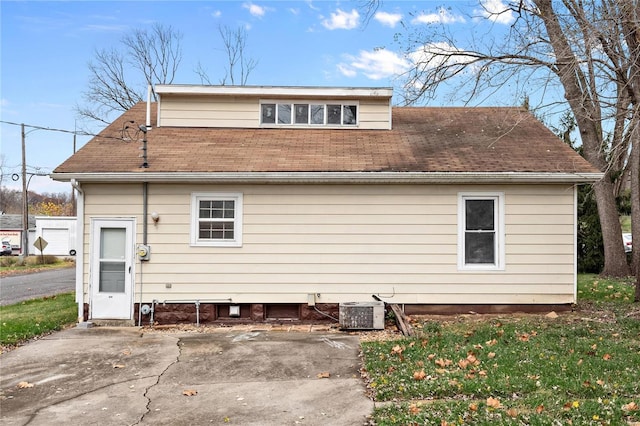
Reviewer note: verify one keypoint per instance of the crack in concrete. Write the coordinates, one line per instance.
(35, 414)
(157, 382)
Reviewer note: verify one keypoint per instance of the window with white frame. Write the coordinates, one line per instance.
(481, 231)
(216, 219)
(308, 113)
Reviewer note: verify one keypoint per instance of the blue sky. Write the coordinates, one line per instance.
(46, 45)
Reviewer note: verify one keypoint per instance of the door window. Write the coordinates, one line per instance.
(112, 260)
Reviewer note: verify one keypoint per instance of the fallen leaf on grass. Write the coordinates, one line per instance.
(443, 362)
(569, 405)
(397, 349)
(493, 402)
(539, 409)
(473, 407)
(189, 392)
(632, 406)
(473, 360)
(414, 409)
(512, 412)
(324, 375)
(607, 357)
(24, 385)
(419, 375)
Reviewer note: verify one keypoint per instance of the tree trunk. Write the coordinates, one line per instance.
(587, 111)
(615, 260)
(634, 159)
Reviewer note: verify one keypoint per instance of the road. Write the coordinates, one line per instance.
(31, 286)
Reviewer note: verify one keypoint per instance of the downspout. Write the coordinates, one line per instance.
(145, 201)
(145, 224)
(79, 249)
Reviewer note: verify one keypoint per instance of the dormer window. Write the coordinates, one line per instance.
(308, 114)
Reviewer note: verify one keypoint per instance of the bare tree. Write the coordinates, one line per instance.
(119, 77)
(239, 65)
(581, 48)
(3, 161)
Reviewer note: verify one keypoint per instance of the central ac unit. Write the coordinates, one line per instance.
(362, 315)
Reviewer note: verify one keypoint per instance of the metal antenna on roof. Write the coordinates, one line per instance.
(126, 132)
(143, 129)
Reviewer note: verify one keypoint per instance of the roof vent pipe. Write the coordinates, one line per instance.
(148, 121)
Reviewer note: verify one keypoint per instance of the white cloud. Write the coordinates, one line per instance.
(376, 64)
(342, 20)
(443, 16)
(105, 28)
(347, 70)
(255, 10)
(496, 11)
(311, 5)
(388, 19)
(216, 13)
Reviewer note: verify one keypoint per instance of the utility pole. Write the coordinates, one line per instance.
(25, 202)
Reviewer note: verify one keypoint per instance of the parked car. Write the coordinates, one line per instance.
(626, 240)
(6, 249)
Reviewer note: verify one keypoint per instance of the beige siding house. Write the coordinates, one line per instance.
(280, 203)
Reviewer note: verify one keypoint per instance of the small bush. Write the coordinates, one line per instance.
(6, 261)
(41, 260)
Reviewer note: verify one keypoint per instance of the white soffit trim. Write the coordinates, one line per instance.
(280, 91)
(332, 177)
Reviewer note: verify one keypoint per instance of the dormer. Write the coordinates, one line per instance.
(274, 107)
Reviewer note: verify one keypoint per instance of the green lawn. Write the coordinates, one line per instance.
(579, 368)
(25, 320)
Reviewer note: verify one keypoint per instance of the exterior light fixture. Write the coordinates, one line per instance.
(155, 216)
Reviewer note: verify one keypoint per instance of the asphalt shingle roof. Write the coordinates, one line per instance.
(423, 139)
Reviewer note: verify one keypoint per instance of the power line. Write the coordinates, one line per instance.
(53, 129)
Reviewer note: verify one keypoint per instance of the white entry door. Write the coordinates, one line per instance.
(111, 268)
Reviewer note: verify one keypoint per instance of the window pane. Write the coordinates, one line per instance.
(479, 215)
(112, 277)
(334, 113)
(217, 209)
(479, 247)
(284, 113)
(349, 114)
(317, 114)
(269, 113)
(112, 243)
(302, 113)
(229, 209)
(216, 230)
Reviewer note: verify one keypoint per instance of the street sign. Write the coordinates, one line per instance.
(40, 244)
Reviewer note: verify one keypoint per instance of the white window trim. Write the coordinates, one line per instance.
(324, 102)
(500, 231)
(237, 227)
